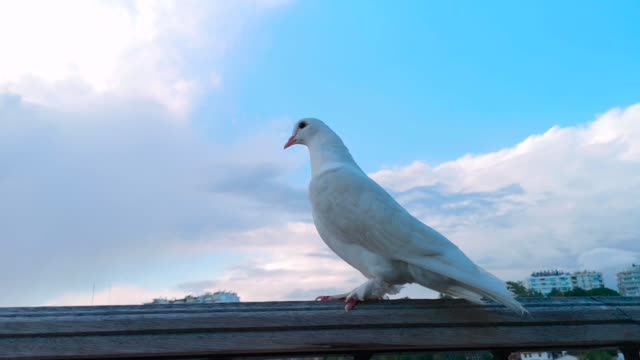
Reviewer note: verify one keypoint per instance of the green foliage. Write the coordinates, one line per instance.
(598, 355)
(603, 291)
(404, 357)
(518, 288)
(436, 356)
(556, 292)
(577, 292)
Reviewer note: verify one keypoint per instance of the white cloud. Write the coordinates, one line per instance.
(569, 198)
(114, 295)
(287, 262)
(560, 157)
(88, 196)
(91, 195)
(66, 53)
(605, 258)
(549, 201)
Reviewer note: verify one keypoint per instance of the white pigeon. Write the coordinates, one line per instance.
(372, 232)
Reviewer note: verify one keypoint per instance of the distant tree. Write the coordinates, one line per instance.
(518, 288)
(577, 292)
(445, 296)
(598, 355)
(555, 292)
(603, 291)
(427, 356)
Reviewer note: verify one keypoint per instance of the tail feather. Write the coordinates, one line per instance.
(507, 300)
(501, 294)
(493, 288)
(462, 293)
(475, 295)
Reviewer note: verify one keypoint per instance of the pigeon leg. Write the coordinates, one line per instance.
(373, 289)
(350, 305)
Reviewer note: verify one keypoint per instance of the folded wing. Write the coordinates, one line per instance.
(366, 214)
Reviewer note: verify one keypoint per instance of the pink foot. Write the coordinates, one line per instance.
(350, 304)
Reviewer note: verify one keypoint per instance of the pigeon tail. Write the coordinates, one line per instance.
(491, 288)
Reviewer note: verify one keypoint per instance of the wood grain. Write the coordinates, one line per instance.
(290, 328)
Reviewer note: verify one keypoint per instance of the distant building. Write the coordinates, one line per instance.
(587, 280)
(206, 298)
(629, 281)
(220, 297)
(536, 355)
(545, 281)
(546, 355)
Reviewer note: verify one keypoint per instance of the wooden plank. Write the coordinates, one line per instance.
(316, 341)
(220, 330)
(283, 320)
(311, 305)
(397, 305)
(296, 306)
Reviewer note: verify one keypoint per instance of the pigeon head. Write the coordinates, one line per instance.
(325, 146)
(309, 131)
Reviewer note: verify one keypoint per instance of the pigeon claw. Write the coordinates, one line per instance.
(351, 303)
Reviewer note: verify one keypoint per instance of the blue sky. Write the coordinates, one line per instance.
(141, 142)
(435, 80)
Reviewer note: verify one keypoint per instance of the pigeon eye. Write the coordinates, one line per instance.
(302, 125)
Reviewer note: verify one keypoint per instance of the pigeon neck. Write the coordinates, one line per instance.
(329, 154)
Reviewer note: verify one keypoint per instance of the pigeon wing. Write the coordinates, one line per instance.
(362, 212)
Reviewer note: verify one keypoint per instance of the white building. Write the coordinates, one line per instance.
(545, 281)
(629, 281)
(219, 297)
(536, 355)
(587, 280)
(546, 355)
(206, 298)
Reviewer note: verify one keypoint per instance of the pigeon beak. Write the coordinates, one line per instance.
(291, 141)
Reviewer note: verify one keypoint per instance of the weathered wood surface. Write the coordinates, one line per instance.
(282, 328)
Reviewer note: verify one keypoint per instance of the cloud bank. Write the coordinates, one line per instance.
(85, 195)
(98, 197)
(560, 199)
(101, 185)
(568, 199)
(74, 52)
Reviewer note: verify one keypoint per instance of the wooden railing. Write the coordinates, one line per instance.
(296, 329)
